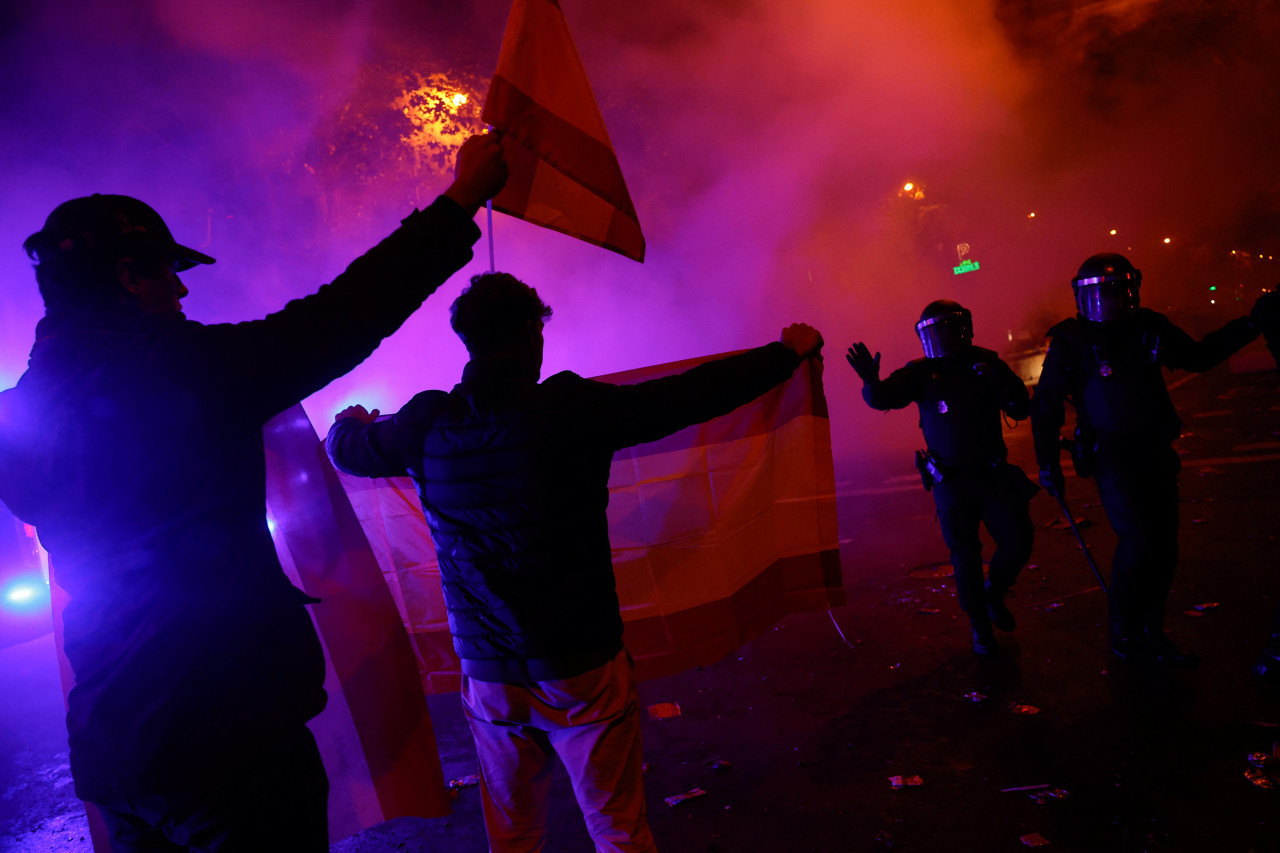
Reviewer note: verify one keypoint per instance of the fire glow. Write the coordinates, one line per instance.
(443, 111)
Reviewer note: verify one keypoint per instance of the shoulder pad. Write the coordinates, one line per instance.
(1066, 328)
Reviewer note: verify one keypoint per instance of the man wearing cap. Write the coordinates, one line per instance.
(1108, 361)
(134, 444)
(961, 391)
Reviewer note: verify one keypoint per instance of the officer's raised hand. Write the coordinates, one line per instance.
(1052, 480)
(862, 362)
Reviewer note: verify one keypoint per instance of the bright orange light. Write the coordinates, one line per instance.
(1031, 215)
(908, 187)
(442, 115)
(1113, 232)
(1167, 240)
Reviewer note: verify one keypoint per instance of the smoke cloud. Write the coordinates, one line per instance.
(766, 146)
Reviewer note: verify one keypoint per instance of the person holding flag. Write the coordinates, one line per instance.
(513, 478)
(134, 444)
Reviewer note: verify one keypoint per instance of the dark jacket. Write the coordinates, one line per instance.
(513, 477)
(1112, 374)
(134, 444)
(960, 399)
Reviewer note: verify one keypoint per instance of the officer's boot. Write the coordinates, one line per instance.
(1001, 615)
(1127, 640)
(1267, 669)
(1161, 648)
(984, 639)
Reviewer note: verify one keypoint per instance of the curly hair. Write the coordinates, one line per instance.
(494, 311)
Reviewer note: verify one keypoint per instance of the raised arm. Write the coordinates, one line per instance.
(274, 362)
(647, 411)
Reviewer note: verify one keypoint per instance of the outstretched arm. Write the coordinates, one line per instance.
(1180, 350)
(647, 411)
(359, 443)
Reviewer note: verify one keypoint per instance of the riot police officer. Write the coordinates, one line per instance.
(961, 391)
(1107, 362)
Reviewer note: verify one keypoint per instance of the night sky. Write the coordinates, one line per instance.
(766, 146)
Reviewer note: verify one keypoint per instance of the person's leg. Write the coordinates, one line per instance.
(1160, 520)
(130, 833)
(1007, 516)
(1139, 490)
(280, 802)
(515, 766)
(1124, 599)
(959, 517)
(601, 750)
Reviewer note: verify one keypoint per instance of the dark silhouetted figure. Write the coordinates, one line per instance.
(134, 444)
(513, 476)
(961, 391)
(1107, 362)
(1266, 317)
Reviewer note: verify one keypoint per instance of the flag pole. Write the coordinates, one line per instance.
(488, 205)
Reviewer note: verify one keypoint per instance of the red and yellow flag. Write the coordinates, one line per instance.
(717, 531)
(564, 174)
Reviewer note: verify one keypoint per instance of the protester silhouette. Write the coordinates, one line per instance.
(513, 476)
(134, 444)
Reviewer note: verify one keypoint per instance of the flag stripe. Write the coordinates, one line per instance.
(564, 174)
(358, 620)
(556, 142)
(538, 51)
(711, 539)
(668, 643)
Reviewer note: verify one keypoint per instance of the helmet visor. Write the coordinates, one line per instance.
(946, 334)
(1104, 300)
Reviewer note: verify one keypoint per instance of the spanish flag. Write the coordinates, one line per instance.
(717, 532)
(564, 174)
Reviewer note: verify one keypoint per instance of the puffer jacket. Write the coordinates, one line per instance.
(513, 475)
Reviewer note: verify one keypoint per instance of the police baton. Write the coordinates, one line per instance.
(1062, 502)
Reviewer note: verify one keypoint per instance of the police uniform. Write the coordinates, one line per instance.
(961, 396)
(1110, 369)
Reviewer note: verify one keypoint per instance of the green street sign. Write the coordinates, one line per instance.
(966, 266)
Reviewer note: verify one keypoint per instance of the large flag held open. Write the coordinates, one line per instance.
(717, 532)
(564, 174)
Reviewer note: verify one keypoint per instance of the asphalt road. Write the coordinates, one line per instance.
(813, 721)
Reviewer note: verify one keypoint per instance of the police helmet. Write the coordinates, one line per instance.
(945, 328)
(1106, 288)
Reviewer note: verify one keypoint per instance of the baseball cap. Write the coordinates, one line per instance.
(109, 221)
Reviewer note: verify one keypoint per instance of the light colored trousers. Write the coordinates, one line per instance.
(592, 722)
